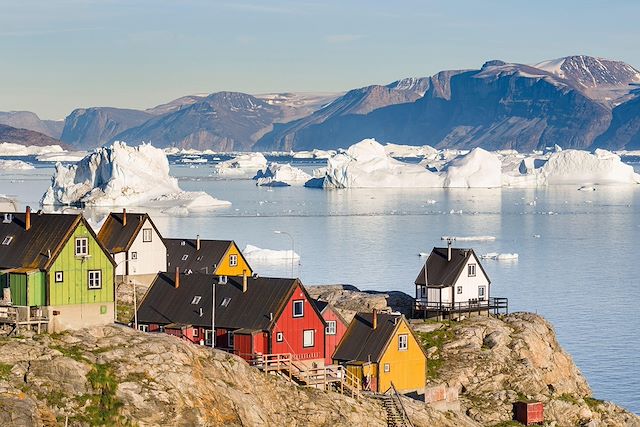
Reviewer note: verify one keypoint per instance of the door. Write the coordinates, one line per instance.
(482, 293)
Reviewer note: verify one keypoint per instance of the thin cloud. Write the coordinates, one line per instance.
(343, 38)
(31, 33)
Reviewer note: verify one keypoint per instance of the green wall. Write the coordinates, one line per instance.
(22, 284)
(74, 289)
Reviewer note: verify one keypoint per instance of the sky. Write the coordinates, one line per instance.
(58, 55)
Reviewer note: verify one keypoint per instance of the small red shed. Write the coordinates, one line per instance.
(335, 329)
(528, 413)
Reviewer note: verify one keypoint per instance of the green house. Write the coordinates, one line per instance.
(54, 262)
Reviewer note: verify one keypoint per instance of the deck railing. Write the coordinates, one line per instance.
(497, 305)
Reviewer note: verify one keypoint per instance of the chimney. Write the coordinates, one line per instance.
(27, 219)
(244, 281)
(124, 217)
(449, 241)
(177, 279)
(197, 242)
(374, 319)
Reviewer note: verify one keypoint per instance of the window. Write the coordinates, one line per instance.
(207, 336)
(481, 292)
(7, 240)
(387, 367)
(471, 269)
(196, 299)
(161, 329)
(225, 302)
(59, 276)
(82, 246)
(233, 260)
(331, 327)
(95, 279)
(403, 342)
(308, 338)
(146, 234)
(279, 337)
(184, 257)
(459, 289)
(230, 339)
(298, 308)
(134, 255)
(143, 328)
(195, 332)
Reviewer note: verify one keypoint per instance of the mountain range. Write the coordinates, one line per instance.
(574, 102)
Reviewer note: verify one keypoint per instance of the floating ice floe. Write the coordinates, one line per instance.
(255, 253)
(64, 156)
(499, 257)
(193, 160)
(281, 175)
(469, 238)
(11, 149)
(120, 175)
(13, 165)
(315, 154)
(244, 165)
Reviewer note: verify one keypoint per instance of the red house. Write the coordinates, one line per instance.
(253, 315)
(336, 327)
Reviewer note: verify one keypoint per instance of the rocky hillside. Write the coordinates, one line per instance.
(31, 121)
(25, 136)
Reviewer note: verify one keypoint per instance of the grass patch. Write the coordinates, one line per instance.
(124, 313)
(5, 370)
(592, 403)
(438, 339)
(569, 398)
(73, 352)
(509, 423)
(104, 406)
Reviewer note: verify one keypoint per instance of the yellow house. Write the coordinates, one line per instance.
(217, 257)
(382, 349)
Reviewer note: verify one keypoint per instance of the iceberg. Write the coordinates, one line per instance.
(469, 238)
(255, 253)
(15, 165)
(281, 175)
(499, 257)
(11, 149)
(314, 154)
(477, 169)
(120, 175)
(64, 156)
(244, 165)
(410, 151)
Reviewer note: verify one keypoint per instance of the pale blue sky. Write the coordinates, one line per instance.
(57, 55)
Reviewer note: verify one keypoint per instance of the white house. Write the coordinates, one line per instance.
(452, 280)
(135, 244)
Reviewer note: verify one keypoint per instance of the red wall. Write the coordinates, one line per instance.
(332, 341)
(242, 346)
(293, 328)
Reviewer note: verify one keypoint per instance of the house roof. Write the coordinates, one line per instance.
(29, 249)
(164, 303)
(444, 273)
(323, 305)
(363, 343)
(117, 237)
(198, 261)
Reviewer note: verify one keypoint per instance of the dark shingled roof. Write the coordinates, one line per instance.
(322, 306)
(119, 238)
(443, 273)
(202, 261)
(29, 249)
(363, 343)
(164, 304)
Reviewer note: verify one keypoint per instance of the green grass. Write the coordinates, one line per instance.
(104, 406)
(566, 397)
(593, 404)
(73, 352)
(438, 339)
(507, 424)
(5, 370)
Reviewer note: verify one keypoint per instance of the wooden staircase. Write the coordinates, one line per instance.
(396, 414)
(330, 377)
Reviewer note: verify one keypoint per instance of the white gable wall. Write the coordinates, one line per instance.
(469, 284)
(151, 256)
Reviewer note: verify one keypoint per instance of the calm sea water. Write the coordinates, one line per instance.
(580, 273)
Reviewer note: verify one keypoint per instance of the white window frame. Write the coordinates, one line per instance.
(306, 334)
(147, 235)
(403, 342)
(300, 303)
(279, 336)
(458, 290)
(387, 367)
(332, 327)
(94, 276)
(185, 257)
(471, 270)
(482, 292)
(230, 339)
(81, 246)
(58, 276)
(208, 336)
(143, 328)
(233, 260)
(196, 299)
(194, 332)
(7, 240)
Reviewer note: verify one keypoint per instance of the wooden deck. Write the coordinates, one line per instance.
(429, 309)
(21, 318)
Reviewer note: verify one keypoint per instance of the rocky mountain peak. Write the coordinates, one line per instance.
(591, 72)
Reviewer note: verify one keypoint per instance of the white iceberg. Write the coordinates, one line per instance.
(477, 169)
(499, 257)
(281, 175)
(15, 165)
(243, 165)
(469, 238)
(410, 151)
(123, 176)
(11, 149)
(63, 156)
(255, 253)
(314, 154)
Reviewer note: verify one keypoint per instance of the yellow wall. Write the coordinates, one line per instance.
(224, 269)
(408, 367)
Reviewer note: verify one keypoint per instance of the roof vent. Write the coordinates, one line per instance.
(201, 312)
(222, 280)
(182, 243)
(254, 275)
(7, 218)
